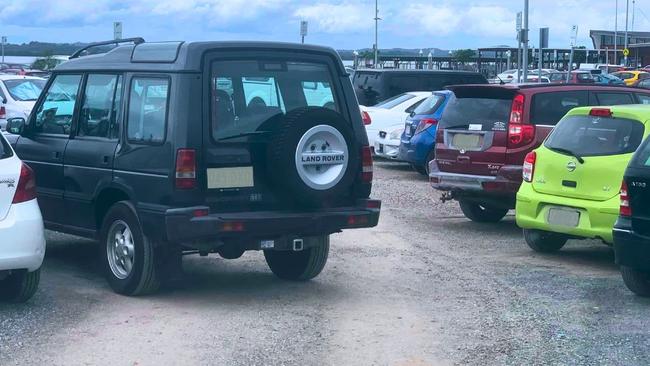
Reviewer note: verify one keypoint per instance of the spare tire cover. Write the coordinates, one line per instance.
(313, 156)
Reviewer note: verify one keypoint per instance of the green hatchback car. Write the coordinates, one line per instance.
(571, 182)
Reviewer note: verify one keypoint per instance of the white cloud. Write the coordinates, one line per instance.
(336, 18)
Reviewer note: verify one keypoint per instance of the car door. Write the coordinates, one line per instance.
(88, 161)
(44, 140)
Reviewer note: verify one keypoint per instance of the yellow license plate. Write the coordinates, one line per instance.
(466, 141)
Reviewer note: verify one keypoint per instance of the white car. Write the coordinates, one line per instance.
(390, 112)
(22, 238)
(18, 95)
(387, 142)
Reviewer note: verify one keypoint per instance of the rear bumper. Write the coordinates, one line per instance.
(507, 181)
(184, 226)
(631, 248)
(416, 150)
(596, 217)
(22, 239)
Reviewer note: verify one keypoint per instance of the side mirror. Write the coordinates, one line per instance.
(15, 125)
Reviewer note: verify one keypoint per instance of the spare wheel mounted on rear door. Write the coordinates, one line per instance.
(313, 157)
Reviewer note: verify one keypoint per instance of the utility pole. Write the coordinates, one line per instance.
(633, 3)
(525, 41)
(616, 34)
(627, 9)
(3, 40)
(377, 19)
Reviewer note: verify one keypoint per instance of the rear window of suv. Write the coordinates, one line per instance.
(490, 114)
(596, 136)
(247, 93)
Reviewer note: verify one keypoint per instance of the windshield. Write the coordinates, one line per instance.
(394, 101)
(24, 89)
(596, 136)
(429, 105)
(490, 114)
(247, 93)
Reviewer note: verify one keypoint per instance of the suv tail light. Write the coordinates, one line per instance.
(519, 134)
(26, 188)
(3, 112)
(424, 124)
(365, 117)
(529, 166)
(626, 210)
(185, 168)
(366, 164)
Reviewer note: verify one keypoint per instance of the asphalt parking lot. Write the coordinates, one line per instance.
(426, 287)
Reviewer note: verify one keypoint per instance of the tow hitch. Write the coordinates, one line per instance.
(446, 196)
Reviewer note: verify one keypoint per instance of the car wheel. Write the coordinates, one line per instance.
(430, 157)
(481, 213)
(303, 265)
(544, 241)
(637, 281)
(419, 168)
(20, 286)
(129, 257)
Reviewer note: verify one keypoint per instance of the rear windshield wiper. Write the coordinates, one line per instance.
(243, 134)
(569, 152)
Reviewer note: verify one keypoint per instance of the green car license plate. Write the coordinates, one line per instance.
(563, 217)
(466, 141)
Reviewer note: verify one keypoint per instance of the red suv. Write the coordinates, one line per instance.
(487, 130)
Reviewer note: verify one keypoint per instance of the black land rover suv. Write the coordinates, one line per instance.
(160, 149)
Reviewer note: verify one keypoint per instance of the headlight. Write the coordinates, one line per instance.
(396, 133)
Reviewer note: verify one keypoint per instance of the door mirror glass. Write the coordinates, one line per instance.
(15, 125)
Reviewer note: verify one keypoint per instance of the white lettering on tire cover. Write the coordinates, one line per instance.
(322, 157)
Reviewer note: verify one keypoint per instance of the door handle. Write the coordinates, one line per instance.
(105, 159)
(56, 155)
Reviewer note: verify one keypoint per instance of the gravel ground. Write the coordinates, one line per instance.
(426, 287)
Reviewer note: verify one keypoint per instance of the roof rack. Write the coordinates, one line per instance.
(135, 40)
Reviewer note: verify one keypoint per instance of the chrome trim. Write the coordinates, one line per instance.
(141, 174)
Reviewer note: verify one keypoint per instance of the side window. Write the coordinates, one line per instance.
(549, 108)
(54, 115)
(147, 117)
(98, 115)
(614, 98)
(318, 94)
(644, 84)
(643, 98)
(403, 84)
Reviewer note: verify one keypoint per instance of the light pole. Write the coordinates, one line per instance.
(377, 19)
(616, 34)
(525, 41)
(627, 9)
(3, 40)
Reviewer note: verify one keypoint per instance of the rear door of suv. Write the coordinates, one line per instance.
(637, 178)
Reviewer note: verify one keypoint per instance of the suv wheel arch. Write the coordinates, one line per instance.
(105, 199)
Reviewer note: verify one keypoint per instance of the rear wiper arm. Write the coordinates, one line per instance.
(569, 152)
(252, 133)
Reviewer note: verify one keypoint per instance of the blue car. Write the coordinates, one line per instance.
(418, 140)
(608, 79)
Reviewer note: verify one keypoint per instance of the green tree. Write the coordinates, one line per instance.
(463, 55)
(47, 62)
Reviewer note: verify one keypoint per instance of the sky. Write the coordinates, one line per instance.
(342, 24)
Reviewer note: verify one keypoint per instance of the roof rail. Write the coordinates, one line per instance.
(135, 40)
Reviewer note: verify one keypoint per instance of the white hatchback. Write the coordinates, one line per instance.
(22, 238)
(18, 95)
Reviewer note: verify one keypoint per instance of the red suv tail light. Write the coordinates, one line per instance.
(424, 124)
(365, 117)
(3, 112)
(185, 168)
(529, 166)
(26, 188)
(519, 134)
(366, 163)
(626, 210)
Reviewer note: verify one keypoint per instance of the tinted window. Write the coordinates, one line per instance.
(644, 84)
(643, 98)
(367, 87)
(412, 108)
(148, 109)
(549, 108)
(394, 101)
(54, 115)
(614, 98)
(594, 136)
(491, 114)
(404, 83)
(5, 150)
(98, 116)
(642, 156)
(24, 89)
(625, 75)
(429, 105)
(245, 94)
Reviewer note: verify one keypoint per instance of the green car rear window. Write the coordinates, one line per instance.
(596, 136)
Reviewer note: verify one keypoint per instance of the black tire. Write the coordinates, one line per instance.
(637, 281)
(281, 165)
(20, 286)
(481, 213)
(303, 265)
(544, 241)
(424, 169)
(144, 276)
(419, 168)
